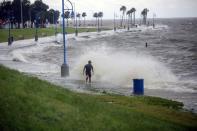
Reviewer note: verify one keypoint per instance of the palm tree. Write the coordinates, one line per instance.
(96, 16)
(79, 16)
(67, 16)
(84, 15)
(130, 12)
(144, 14)
(100, 15)
(123, 9)
(133, 11)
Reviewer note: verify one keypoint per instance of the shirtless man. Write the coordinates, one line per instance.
(88, 69)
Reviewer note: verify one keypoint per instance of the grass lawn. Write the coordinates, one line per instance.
(30, 33)
(27, 103)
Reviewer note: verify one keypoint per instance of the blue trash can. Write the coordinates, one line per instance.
(138, 86)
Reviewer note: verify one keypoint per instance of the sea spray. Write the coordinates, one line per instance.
(121, 67)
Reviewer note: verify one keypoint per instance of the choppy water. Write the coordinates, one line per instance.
(168, 65)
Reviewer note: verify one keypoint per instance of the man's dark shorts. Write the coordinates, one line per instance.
(88, 74)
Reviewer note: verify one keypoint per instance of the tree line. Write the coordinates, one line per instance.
(19, 12)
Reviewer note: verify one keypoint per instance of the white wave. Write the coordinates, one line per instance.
(19, 57)
(85, 36)
(19, 54)
(150, 28)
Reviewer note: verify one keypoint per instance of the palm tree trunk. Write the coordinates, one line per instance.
(98, 24)
(114, 21)
(128, 21)
(84, 22)
(96, 21)
(101, 21)
(11, 24)
(121, 21)
(131, 20)
(134, 18)
(76, 23)
(18, 25)
(31, 24)
(67, 22)
(124, 19)
(79, 22)
(144, 19)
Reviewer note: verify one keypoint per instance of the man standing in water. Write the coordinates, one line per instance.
(88, 68)
(146, 44)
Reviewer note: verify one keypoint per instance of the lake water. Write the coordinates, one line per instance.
(168, 65)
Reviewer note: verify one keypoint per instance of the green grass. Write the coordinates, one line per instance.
(30, 33)
(27, 103)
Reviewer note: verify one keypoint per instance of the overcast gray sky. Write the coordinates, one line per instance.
(162, 8)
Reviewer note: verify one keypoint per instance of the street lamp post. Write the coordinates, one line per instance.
(154, 15)
(76, 27)
(76, 30)
(56, 27)
(55, 22)
(65, 67)
(114, 21)
(36, 35)
(98, 30)
(36, 28)
(128, 28)
(10, 38)
(21, 13)
(9, 35)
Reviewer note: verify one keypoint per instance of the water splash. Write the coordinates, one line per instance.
(121, 67)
